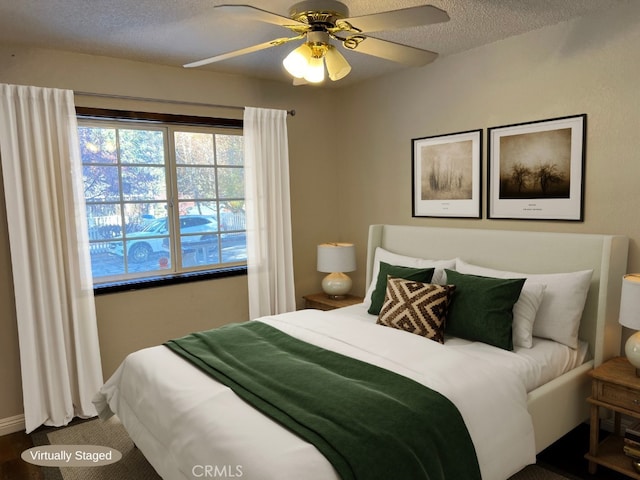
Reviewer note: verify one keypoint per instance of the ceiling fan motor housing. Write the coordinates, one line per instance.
(319, 12)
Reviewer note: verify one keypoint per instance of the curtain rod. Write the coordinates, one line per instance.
(175, 102)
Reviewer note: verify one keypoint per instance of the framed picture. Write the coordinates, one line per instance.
(536, 170)
(446, 177)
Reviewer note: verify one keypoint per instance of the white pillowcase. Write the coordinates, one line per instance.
(559, 313)
(382, 255)
(524, 313)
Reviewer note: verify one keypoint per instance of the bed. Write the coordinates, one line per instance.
(188, 424)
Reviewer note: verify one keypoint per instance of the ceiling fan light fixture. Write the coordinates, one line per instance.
(319, 22)
(315, 70)
(297, 62)
(337, 65)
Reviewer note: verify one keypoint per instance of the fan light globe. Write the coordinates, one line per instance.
(297, 61)
(315, 70)
(337, 65)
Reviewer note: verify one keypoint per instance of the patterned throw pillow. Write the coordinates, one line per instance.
(416, 307)
(398, 271)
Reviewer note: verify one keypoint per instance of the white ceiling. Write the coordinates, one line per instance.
(175, 32)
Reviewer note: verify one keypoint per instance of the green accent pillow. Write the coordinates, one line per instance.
(482, 308)
(408, 273)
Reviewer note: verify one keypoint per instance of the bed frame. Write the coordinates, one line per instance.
(558, 406)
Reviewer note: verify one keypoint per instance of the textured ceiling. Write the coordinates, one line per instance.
(175, 32)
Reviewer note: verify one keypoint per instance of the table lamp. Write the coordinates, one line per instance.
(630, 316)
(335, 259)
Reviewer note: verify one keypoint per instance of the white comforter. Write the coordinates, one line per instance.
(185, 422)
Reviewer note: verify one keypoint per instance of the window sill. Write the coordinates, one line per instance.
(152, 282)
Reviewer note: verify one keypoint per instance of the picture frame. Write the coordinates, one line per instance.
(535, 170)
(446, 175)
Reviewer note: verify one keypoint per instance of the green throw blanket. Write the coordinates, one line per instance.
(370, 423)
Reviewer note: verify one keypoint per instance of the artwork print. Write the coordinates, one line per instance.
(446, 175)
(447, 171)
(535, 170)
(536, 165)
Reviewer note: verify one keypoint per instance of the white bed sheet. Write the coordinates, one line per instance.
(182, 419)
(536, 366)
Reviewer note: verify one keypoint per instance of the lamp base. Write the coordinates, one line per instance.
(336, 285)
(632, 351)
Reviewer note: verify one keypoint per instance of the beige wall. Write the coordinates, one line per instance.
(587, 66)
(363, 174)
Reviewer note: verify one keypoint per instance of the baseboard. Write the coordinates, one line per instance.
(11, 424)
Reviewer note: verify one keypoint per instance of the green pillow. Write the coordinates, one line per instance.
(408, 273)
(482, 308)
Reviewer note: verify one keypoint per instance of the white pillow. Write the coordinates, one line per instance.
(524, 313)
(558, 316)
(391, 258)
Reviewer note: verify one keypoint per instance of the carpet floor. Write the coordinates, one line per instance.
(134, 466)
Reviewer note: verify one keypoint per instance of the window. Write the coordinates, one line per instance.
(162, 199)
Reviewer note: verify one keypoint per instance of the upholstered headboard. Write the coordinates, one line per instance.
(529, 252)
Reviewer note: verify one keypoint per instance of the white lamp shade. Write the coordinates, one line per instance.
(336, 257)
(337, 65)
(296, 62)
(630, 302)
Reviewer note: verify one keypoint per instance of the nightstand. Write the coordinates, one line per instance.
(320, 301)
(615, 387)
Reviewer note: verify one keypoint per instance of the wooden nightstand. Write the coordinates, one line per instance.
(615, 387)
(320, 301)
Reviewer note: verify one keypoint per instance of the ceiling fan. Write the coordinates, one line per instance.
(317, 22)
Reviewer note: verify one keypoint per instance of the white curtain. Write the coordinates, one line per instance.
(269, 250)
(58, 337)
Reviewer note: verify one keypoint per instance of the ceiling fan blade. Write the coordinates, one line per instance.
(406, 17)
(396, 52)
(257, 14)
(236, 53)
